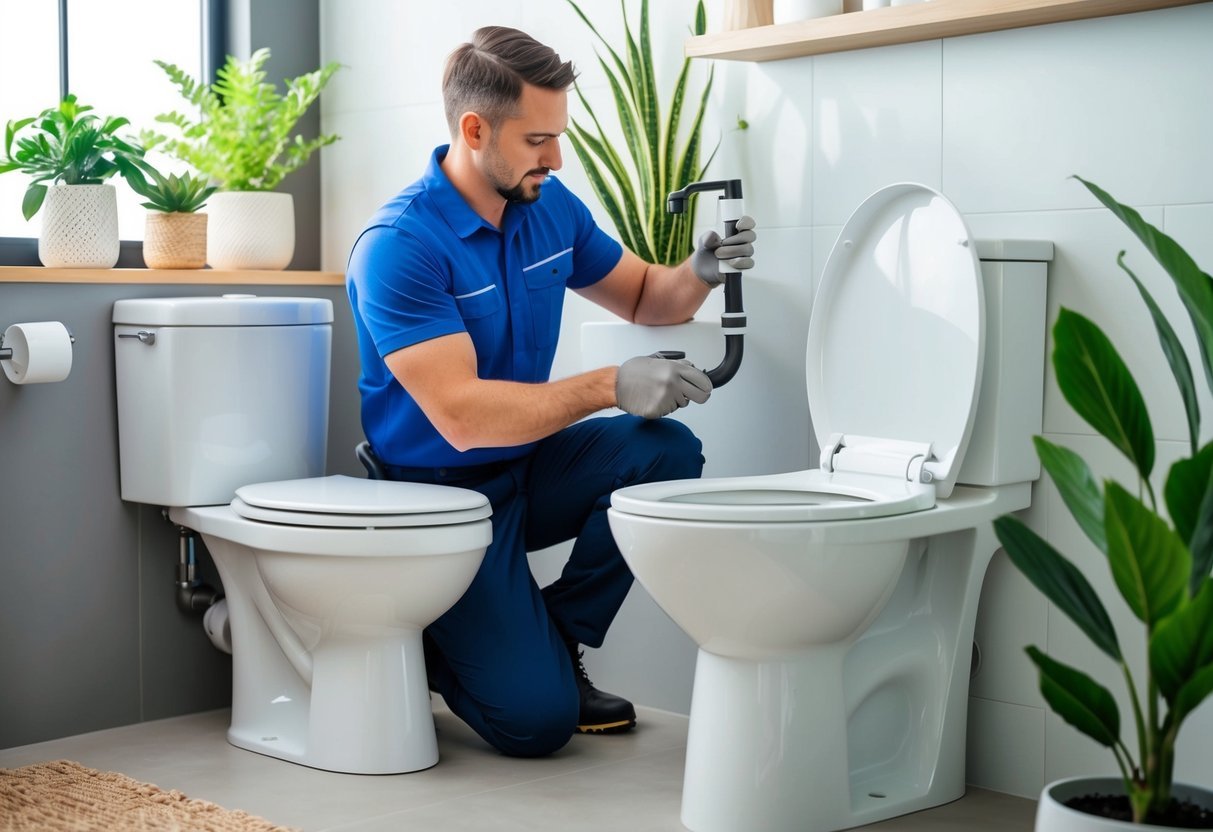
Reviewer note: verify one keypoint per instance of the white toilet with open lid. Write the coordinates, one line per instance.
(329, 581)
(834, 607)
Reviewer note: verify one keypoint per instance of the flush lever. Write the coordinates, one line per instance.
(143, 335)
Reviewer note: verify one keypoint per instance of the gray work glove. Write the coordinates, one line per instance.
(653, 387)
(736, 252)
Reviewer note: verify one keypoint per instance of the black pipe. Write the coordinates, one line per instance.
(734, 313)
(192, 594)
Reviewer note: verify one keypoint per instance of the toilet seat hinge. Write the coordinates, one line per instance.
(882, 457)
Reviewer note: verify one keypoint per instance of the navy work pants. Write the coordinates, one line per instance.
(500, 656)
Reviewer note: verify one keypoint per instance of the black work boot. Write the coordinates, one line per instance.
(601, 713)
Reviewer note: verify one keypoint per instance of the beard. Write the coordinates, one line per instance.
(518, 193)
(500, 175)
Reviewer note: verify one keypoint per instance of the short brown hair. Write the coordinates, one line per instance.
(486, 75)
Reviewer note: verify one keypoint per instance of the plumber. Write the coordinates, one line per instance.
(457, 286)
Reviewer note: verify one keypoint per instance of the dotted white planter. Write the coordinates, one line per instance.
(79, 227)
(250, 230)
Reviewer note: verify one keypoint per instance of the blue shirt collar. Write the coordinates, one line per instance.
(450, 203)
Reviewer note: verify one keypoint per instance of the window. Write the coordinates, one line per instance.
(110, 49)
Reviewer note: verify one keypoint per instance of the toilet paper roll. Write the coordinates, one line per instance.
(42, 352)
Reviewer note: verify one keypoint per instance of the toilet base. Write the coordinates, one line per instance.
(368, 711)
(768, 749)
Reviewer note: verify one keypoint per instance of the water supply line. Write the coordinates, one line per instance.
(733, 321)
(193, 595)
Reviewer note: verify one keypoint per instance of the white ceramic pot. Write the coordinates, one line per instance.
(79, 227)
(789, 11)
(250, 230)
(1052, 815)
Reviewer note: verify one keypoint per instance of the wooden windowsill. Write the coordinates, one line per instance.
(903, 24)
(211, 277)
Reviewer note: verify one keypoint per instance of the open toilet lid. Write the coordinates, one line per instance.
(347, 501)
(897, 334)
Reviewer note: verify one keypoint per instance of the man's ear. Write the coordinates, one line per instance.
(473, 130)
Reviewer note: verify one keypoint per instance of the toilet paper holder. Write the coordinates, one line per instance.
(6, 353)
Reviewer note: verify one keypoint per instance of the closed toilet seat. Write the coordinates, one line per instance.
(346, 502)
(342, 516)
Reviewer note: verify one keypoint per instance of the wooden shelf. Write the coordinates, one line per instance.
(903, 24)
(209, 277)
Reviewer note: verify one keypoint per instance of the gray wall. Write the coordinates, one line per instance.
(90, 636)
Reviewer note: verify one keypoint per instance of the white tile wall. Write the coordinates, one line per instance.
(998, 122)
(877, 121)
(1006, 747)
(1124, 100)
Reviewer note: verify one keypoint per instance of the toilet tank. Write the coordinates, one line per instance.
(219, 392)
(1010, 405)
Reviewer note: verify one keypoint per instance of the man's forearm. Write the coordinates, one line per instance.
(671, 295)
(487, 413)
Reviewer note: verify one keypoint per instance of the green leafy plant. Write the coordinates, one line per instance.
(634, 195)
(1161, 568)
(65, 144)
(171, 194)
(241, 138)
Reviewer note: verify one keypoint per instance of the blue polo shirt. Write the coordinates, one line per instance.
(427, 265)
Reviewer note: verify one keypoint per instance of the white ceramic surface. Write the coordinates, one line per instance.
(250, 230)
(789, 11)
(897, 336)
(847, 642)
(1052, 815)
(79, 227)
(197, 418)
(327, 664)
(329, 581)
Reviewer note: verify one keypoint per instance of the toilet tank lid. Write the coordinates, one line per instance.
(223, 310)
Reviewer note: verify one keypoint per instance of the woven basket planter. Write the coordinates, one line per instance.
(174, 241)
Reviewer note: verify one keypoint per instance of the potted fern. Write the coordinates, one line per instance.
(243, 139)
(1161, 566)
(75, 151)
(634, 192)
(175, 232)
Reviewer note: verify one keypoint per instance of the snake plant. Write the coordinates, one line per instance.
(658, 161)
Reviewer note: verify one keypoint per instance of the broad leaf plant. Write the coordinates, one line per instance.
(66, 143)
(1160, 566)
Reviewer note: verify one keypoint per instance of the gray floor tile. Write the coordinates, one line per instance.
(597, 783)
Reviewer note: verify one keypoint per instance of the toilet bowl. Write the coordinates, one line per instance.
(834, 607)
(329, 581)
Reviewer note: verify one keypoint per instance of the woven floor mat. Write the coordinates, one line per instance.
(64, 795)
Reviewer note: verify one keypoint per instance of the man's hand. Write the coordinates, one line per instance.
(736, 252)
(653, 387)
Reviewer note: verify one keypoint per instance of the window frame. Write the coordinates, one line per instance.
(23, 251)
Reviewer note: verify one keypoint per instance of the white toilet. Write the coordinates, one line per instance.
(329, 581)
(834, 607)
